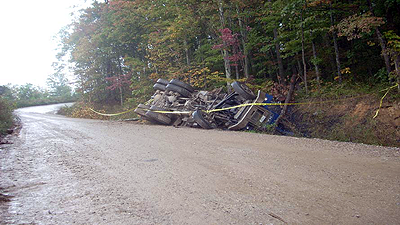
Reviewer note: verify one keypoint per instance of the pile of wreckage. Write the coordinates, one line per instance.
(177, 103)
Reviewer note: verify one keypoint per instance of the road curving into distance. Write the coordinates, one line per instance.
(76, 171)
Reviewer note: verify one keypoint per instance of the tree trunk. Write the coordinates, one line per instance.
(303, 54)
(120, 95)
(381, 42)
(243, 38)
(187, 52)
(281, 77)
(397, 68)
(119, 78)
(300, 70)
(316, 64)
(246, 62)
(336, 47)
(384, 50)
(337, 57)
(278, 57)
(237, 72)
(288, 98)
(227, 64)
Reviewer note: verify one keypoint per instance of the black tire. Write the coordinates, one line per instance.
(198, 117)
(182, 84)
(162, 81)
(142, 109)
(243, 90)
(158, 86)
(158, 117)
(180, 90)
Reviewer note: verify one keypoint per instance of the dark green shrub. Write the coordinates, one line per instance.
(6, 116)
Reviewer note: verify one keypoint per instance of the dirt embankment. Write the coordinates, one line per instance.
(350, 121)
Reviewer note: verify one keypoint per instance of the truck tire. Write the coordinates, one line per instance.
(182, 84)
(243, 90)
(198, 117)
(180, 90)
(158, 117)
(162, 81)
(158, 86)
(142, 109)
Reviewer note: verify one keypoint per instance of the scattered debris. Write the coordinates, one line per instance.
(179, 104)
(277, 217)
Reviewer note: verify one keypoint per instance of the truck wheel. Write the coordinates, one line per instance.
(158, 86)
(182, 84)
(142, 109)
(200, 120)
(180, 90)
(162, 81)
(158, 117)
(243, 90)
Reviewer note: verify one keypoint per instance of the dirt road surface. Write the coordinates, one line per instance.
(76, 171)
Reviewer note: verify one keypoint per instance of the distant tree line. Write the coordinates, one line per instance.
(28, 94)
(118, 48)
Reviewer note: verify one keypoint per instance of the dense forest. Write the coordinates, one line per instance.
(119, 48)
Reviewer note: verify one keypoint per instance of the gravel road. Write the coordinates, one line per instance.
(76, 171)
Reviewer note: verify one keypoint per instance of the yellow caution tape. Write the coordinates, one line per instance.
(117, 114)
(113, 114)
(380, 105)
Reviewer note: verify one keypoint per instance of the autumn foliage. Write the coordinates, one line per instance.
(119, 48)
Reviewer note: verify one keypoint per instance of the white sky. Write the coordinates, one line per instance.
(27, 30)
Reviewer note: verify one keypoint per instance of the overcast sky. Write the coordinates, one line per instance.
(28, 27)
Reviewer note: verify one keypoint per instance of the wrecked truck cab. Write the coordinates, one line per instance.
(253, 116)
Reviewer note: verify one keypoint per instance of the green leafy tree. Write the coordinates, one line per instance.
(59, 84)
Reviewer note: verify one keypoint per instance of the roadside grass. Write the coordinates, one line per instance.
(6, 116)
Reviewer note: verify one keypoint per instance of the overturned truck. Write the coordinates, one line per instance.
(177, 103)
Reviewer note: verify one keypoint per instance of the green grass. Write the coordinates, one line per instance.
(6, 116)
